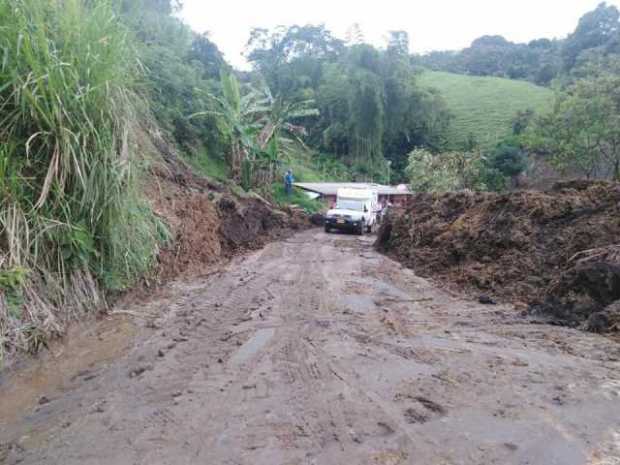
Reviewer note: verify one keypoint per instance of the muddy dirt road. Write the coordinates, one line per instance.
(317, 350)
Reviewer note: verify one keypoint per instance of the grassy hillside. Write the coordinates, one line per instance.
(485, 106)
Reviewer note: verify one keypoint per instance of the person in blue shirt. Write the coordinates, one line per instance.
(288, 182)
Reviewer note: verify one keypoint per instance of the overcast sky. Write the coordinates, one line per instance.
(432, 24)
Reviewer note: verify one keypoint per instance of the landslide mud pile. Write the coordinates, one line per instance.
(208, 221)
(558, 251)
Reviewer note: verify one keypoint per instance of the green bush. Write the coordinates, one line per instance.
(296, 198)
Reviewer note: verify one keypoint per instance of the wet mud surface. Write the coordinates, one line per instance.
(315, 350)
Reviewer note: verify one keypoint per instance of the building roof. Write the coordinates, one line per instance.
(331, 188)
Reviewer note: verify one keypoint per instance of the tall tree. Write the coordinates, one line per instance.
(582, 134)
(596, 29)
(353, 86)
(205, 52)
(398, 43)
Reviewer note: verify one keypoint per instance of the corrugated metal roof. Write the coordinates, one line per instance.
(331, 188)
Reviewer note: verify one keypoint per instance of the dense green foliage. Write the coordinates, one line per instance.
(371, 109)
(508, 159)
(312, 166)
(596, 40)
(539, 61)
(71, 214)
(446, 171)
(227, 125)
(297, 198)
(484, 107)
(574, 131)
(256, 124)
(181, 68)
(581, 136)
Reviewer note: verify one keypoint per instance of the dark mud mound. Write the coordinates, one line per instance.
(550, 249)
(193, 220)
(209, 222)
(589, 290)
(250, 223)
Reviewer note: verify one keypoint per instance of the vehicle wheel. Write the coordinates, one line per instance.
(327, 228)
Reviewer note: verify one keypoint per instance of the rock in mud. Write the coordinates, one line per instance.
(413, 416)
(486, 300)
(430, 405)
(139, 371)
(606, 320)
(588, 292)
(11, 453)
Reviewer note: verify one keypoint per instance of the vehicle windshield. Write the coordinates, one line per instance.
(346, 204)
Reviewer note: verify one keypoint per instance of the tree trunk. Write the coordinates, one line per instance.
(238, 154)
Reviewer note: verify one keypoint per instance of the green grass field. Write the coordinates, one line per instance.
(485, 106)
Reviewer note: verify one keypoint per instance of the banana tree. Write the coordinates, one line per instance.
(277, 129)
(256, 123)
(238, 116)
(279, 118)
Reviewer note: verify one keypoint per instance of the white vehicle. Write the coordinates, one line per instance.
(356, 210)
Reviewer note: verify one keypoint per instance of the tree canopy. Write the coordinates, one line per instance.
(596, 38)
(582, 134)
(354, 85)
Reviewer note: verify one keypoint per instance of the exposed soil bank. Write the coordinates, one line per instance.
(210, 221)
(556, 250)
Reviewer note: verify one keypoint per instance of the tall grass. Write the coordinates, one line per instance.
(71, 217)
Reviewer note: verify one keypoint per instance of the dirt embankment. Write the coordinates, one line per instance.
(558, 251)
(208, 221)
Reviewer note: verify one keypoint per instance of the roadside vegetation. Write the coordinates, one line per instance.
(577, 137)
(72, 216)
(296, 198)
(371, 110)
